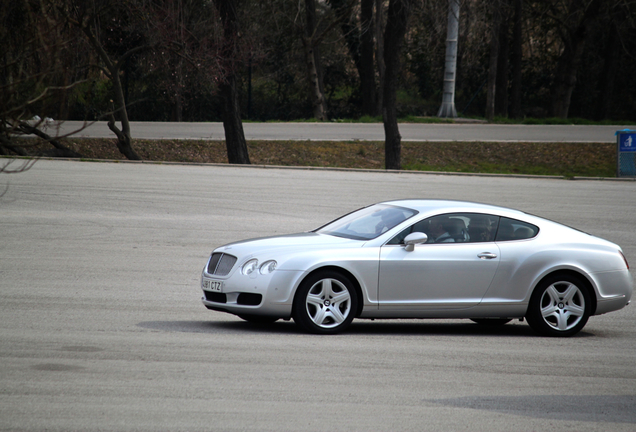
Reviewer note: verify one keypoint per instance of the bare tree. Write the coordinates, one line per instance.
(366, 71)
(608, 75)
(197, 51)
(503, 59)
(110, 16)
(571, 21)
(494, 60)
(234, 136)
(379, 49)
(517, 58)
(35, 78)
(396, 25)
(312, 36)
(358, 35)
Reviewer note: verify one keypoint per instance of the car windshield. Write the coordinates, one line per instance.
(367, 223)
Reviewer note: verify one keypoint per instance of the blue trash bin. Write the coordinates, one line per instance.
(626, 142)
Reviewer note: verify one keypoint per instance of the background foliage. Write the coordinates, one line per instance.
(176, 77)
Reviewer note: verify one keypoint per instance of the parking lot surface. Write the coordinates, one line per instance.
(101, 325)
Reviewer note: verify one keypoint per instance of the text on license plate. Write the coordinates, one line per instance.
(209, 285)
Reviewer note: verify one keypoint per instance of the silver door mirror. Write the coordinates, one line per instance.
(414, 238)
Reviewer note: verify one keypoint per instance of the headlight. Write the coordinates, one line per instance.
(249, 267)
(268, 266)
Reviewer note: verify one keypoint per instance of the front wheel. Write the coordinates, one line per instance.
(560, 306)
(325, 303)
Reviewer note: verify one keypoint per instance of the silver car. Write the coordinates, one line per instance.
(422, 259)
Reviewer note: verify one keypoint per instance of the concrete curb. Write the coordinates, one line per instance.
(309, 168)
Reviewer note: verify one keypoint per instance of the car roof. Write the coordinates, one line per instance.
(437, 205)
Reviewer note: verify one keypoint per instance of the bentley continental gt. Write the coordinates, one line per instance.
(422, 259)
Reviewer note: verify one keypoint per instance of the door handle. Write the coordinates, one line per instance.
(487, 255)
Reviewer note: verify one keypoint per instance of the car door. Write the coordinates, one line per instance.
(438, 276)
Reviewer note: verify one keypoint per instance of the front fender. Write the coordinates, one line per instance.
(362, 263)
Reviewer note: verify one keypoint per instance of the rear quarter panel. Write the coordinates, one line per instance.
(525, 263)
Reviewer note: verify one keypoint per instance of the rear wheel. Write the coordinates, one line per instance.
(560, 306)
(325, 303)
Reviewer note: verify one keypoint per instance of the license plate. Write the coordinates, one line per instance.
(209, 285)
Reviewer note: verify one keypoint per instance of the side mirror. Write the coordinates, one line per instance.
(414, 238)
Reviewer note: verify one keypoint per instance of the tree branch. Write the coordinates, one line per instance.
(63, 150)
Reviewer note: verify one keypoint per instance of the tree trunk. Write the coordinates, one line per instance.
(397, 20)
(124, 140)
(565, 78)
(312, 61)
(450, 69)
(234, 136)
(379, 50)
(232, 124)
(366, 70)
(517, 58)
(492, 68)
(501, 86)
(318, 102)
(177, 96)
(359, 42)
(606, 81)
(570, 60)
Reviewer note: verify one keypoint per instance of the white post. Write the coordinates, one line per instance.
(448, 99)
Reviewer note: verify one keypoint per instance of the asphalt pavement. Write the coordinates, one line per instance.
(102, 329)
(352, 131)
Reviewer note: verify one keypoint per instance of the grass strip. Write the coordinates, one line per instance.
(558, 159)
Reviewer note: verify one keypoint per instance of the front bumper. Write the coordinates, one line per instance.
(256, 294)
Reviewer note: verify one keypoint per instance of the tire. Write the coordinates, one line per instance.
(560, 306)
(325, 303)
(258, 319)
(493, 322)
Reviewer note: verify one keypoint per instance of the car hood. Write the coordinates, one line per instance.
(292, 243)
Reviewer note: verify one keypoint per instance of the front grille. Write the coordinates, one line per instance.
(220, 264)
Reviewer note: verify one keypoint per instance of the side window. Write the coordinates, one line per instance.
(482, 227)
(512, 229)
(453, 228)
